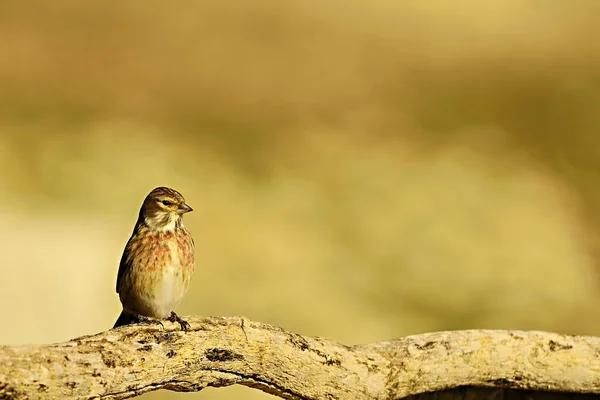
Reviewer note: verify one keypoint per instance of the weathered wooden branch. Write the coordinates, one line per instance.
(217, 352)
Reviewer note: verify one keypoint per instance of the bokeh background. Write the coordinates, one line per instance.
(360, 170)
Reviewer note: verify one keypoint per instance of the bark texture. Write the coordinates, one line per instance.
(128, 361)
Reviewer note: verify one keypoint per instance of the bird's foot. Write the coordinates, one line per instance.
(140, 319)
(185, 326)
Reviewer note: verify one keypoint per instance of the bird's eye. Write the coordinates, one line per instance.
(166, 202)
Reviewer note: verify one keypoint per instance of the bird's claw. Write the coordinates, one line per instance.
(185, 326)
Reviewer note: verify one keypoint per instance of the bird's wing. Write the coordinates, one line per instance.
(124, 264)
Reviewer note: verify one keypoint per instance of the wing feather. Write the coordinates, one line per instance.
(125, 262)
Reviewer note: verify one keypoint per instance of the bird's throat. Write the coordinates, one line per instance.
(164, 222)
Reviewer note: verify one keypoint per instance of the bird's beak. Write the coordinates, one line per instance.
(184, 208)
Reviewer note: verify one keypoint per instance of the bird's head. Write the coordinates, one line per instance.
(163, 209)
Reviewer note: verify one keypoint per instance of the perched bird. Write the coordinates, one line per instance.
(158, 261)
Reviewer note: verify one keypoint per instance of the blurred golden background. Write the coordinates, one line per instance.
(359, 170)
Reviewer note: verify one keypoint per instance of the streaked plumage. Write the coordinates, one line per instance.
(158, 260)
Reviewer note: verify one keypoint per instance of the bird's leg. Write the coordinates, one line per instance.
(175, 318)
(140, 319)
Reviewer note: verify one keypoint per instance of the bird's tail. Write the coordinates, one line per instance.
(124, 319)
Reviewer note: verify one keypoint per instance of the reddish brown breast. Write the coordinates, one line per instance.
(185, 246)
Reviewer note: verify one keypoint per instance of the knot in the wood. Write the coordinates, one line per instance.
(223, 355)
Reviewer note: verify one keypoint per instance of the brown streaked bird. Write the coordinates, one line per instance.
(158, 261)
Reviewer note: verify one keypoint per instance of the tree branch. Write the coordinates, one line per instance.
(218, 352)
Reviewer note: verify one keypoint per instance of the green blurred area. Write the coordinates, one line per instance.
(360, 170)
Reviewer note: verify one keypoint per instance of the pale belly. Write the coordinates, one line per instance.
(156, 294)
(169, 291)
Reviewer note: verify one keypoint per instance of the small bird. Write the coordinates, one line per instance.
(158, 261)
